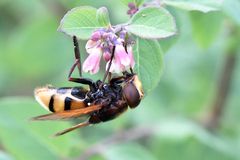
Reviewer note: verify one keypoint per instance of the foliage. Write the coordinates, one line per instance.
(80, 21)
(150, 23)
(195, 5)
(33, 54)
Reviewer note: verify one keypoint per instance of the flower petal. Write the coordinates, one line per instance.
(106, 56)
(92, 63)
(115, 67)
(91, 45)
(130, 54)
(121, 56)
(96, 36)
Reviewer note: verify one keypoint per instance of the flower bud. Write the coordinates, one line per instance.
(106, 55)
(96, 36)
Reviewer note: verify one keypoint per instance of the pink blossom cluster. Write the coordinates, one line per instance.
(101, 44)
(132, 9)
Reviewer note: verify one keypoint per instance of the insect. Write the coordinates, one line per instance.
(101, 102)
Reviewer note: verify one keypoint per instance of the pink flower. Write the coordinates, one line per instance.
(106, 55)
(122, 60)
(121, 56)
(133, 8)
(115, 67)
(92, 63)
(130, 53)
(91, 45)
(96, 36)
(101, 43)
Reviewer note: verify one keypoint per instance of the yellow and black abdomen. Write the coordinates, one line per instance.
(61, 99)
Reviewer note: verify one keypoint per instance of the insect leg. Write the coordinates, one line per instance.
(73, 67)
(109, 77)
(81, 80)
(77, 63)
(77, 58)
(86, 81)
(117, 80)
(131, 70)
(109, 66)
(83, 124)
(77, 55)
(78, 80)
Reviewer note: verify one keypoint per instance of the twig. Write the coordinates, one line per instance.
(222, 94)
(218, 106)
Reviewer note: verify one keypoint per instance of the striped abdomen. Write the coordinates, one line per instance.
(61, 99)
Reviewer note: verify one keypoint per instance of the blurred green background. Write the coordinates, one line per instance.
(194, 112)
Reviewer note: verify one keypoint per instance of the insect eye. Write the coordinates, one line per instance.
(131, 94)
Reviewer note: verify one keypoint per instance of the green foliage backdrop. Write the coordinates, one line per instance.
(170, 123)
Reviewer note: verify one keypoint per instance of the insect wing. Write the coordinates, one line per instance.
(68, 114)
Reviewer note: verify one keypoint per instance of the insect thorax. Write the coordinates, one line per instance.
(107, 94)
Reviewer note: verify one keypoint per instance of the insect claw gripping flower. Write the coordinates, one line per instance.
(101, 44)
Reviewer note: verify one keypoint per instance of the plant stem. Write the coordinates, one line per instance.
(222, 93)
(219, 103)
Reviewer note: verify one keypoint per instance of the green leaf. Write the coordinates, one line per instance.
(187, 149)
(80, 21)
(103, 17)
(129, 151)
(205, 34)
(179, 129)
(232, 9)
(151, 23)
(195, 5)
(32, 140)
(126, 2)
(137, 2)
(149, 63)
